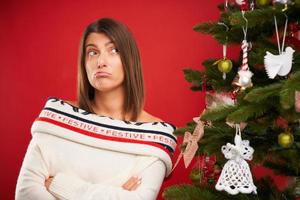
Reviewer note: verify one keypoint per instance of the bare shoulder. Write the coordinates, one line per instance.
(73, 103)
(147, 117)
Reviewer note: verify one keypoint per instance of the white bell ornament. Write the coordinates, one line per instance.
(236, 176)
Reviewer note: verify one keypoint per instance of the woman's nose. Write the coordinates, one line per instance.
(101, 62)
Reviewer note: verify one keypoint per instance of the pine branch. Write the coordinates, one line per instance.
(209, 28)
(217, 114)
(215, 137)
(262, 93)
(287, 93)
(195, 77)
(190, 126)
(243, 113)
(264, 15)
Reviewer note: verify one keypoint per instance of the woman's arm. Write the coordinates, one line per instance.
(65, 186)
(33, 173)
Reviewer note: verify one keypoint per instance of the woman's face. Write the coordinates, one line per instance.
(103, 63)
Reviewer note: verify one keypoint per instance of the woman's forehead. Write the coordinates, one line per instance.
(98, 39)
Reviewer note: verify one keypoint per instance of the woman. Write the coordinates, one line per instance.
(105, 146)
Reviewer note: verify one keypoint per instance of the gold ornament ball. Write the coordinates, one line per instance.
(285, 139)
(225, 65)
(261, 3)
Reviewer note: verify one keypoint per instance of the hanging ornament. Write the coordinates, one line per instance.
(236, 176)
(243, 79)
(262, 3)
(279, 64)
(285, 139)
(297, 101)
(224, 65)
(191, 141)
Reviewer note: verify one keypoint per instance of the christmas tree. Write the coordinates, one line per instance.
(252, 106)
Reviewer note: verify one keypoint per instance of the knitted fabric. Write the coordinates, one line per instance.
(63, 120)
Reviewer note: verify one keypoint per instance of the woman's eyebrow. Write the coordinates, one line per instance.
(93, 45)
(90, 45)
(108, 43)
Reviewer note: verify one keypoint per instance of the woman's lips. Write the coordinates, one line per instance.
(102, 74)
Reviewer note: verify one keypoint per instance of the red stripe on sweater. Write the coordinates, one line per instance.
(91, 134)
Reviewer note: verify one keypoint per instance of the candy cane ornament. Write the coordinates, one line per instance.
(245, 55)
(244, 74)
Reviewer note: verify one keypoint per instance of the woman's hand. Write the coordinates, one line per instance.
(132, 184)
(48, 182)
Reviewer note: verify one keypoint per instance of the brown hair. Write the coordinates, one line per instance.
(130, 58)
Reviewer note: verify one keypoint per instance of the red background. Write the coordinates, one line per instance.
(39, 45)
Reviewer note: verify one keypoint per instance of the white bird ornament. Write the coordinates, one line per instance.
(279, 64)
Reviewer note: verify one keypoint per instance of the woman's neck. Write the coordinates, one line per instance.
(110, 104)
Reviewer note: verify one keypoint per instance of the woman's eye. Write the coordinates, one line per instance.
(114, 51)
(92, 53)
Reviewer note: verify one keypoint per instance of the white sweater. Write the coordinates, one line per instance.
(91, 165)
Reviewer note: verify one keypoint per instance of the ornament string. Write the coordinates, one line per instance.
(238, 137)
(224, 51)
(284, 32)
(280, 49)
(245, 28)
(277, 36)
(224, 45)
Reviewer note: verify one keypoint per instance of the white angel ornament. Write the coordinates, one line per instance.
(236, 175)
